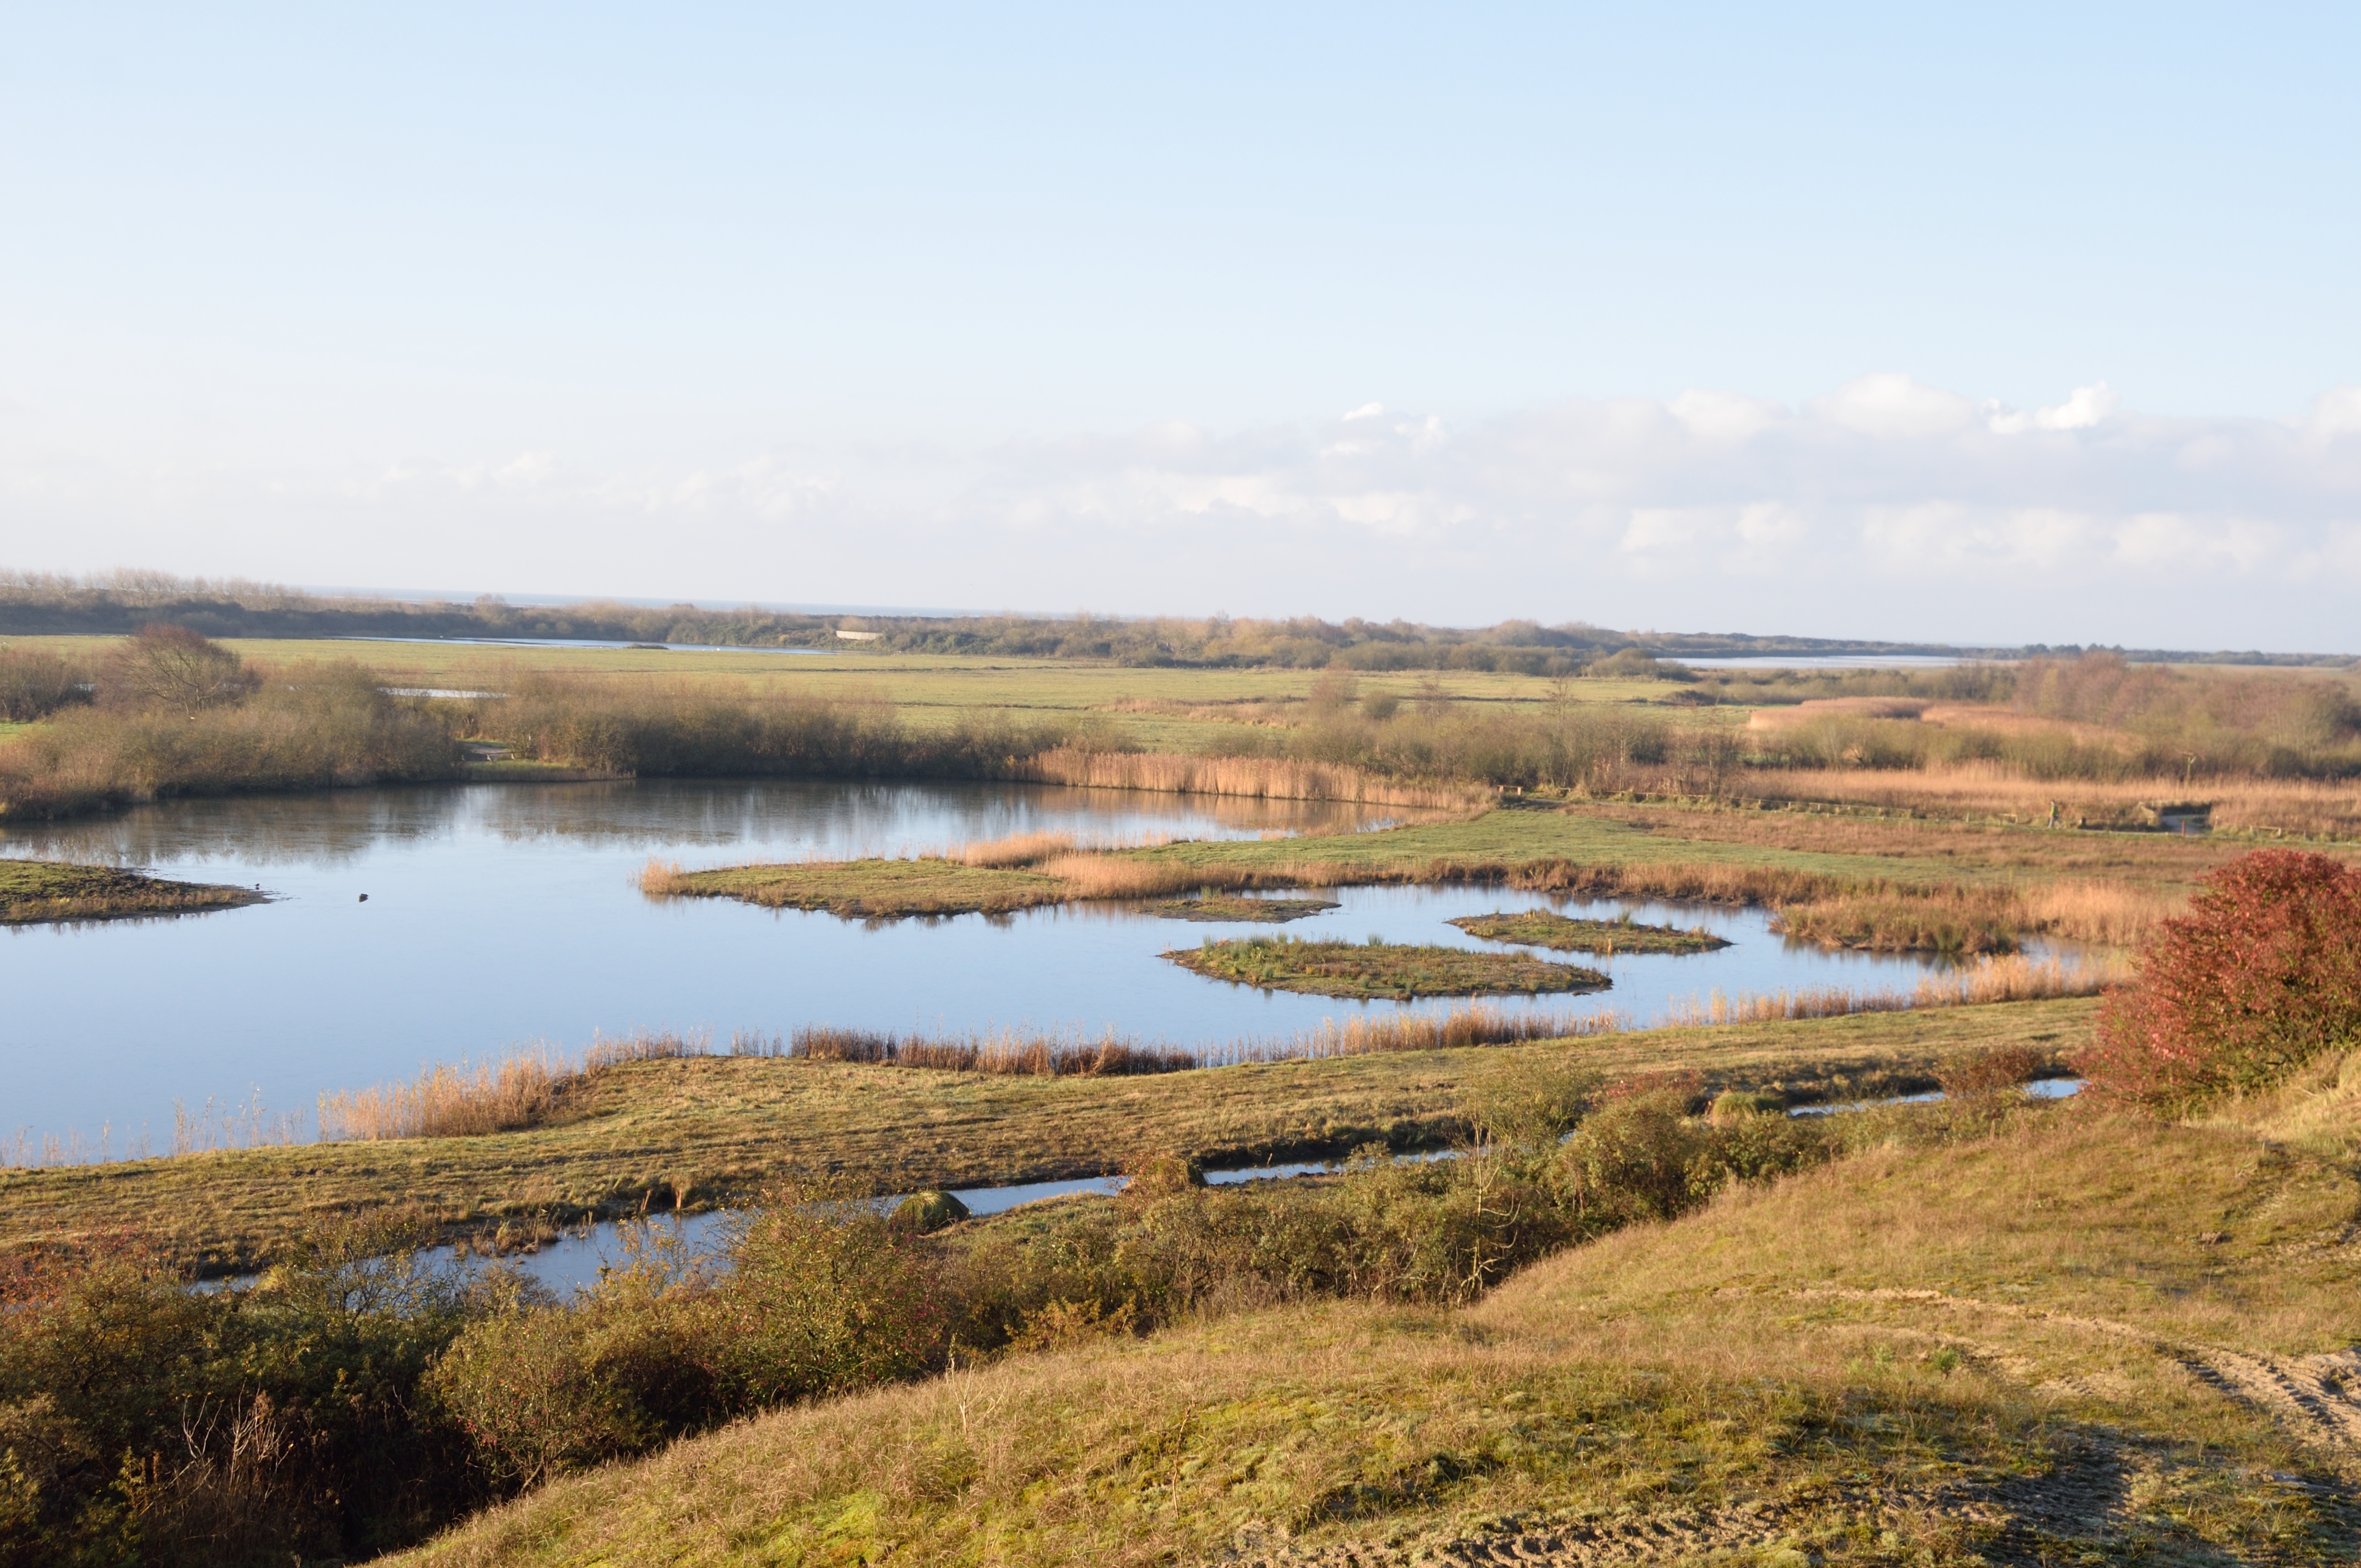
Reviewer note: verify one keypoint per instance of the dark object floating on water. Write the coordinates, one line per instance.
(1540, 928)
(1216, 906)
(365, 898)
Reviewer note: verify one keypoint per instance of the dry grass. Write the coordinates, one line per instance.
(2299, 806)
(1017, 849)
(2106, 913)
(1275, 778)
(2011, 978)
(518, 1091)
(2032, 1346)
(447, 1101)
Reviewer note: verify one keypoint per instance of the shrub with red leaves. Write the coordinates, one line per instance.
(2260, 976)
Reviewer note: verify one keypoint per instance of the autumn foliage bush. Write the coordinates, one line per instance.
(2262, 975)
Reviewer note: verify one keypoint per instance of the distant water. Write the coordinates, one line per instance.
(506, 914)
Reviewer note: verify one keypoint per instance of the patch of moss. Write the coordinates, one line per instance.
(1560, 933)
(1377, 970)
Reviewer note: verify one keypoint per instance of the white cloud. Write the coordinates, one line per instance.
(2085, 408)
(1893, 406)
(1888, 508)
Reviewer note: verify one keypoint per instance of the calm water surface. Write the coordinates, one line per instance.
(505, 913)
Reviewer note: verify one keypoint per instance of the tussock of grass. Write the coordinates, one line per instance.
(38, 890)
(1373, 969)
(1541, 928)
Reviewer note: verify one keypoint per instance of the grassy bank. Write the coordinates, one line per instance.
(2076, 1339)
(33, 892)
(1374, 970)
(713, 1130)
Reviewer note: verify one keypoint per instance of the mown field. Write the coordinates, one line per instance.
(710, 1132)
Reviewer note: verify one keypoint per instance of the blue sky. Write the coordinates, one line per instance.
(1674, 316)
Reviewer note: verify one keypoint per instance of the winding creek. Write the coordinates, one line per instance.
(506, 914)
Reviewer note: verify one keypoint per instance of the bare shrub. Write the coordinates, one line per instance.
(172, 667)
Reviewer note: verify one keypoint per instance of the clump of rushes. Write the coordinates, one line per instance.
(1379, 970)
(32, 891)
(1211, 906)
(1560, 933)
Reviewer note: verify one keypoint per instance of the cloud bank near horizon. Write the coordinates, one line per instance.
(1888, 508)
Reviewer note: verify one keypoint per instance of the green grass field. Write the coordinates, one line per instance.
(720, 1129)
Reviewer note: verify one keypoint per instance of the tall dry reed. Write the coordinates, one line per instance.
(1274, 778)
(2013, 978)
(446, 1102)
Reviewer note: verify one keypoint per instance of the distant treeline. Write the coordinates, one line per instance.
(122, 602)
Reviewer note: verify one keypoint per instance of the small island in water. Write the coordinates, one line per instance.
(1540, 928)
(1374, 970)
(36, 891)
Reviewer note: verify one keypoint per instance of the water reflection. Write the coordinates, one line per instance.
(508, 913)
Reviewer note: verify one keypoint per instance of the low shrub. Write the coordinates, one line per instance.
(34, 685)
(2262, 975)
(143, 1421)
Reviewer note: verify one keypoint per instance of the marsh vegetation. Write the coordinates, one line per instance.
(1559, 933)
(34, 891)
(1379, 969)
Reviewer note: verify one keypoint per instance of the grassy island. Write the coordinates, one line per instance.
(876, 890)
(1381, 970)
(1217, 906)
(1540, 928)
(36, 891)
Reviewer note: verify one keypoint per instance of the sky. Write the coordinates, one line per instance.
(1987, 324)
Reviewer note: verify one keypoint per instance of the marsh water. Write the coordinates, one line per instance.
(500, 914)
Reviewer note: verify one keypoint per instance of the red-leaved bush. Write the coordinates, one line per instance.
(2260, 976)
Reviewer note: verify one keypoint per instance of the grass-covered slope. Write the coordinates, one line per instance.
(721, 1128)
(38, 890)
(2085, 1339)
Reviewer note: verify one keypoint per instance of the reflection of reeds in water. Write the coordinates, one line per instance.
(2012, 979)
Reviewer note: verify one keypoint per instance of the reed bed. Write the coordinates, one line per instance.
(1080, 1055)
(2307, 807)
(446, 1102)
(1270, 778)
(1002, 1053)
(2013, 978)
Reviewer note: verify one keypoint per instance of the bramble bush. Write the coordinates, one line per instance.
(2262, 975)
